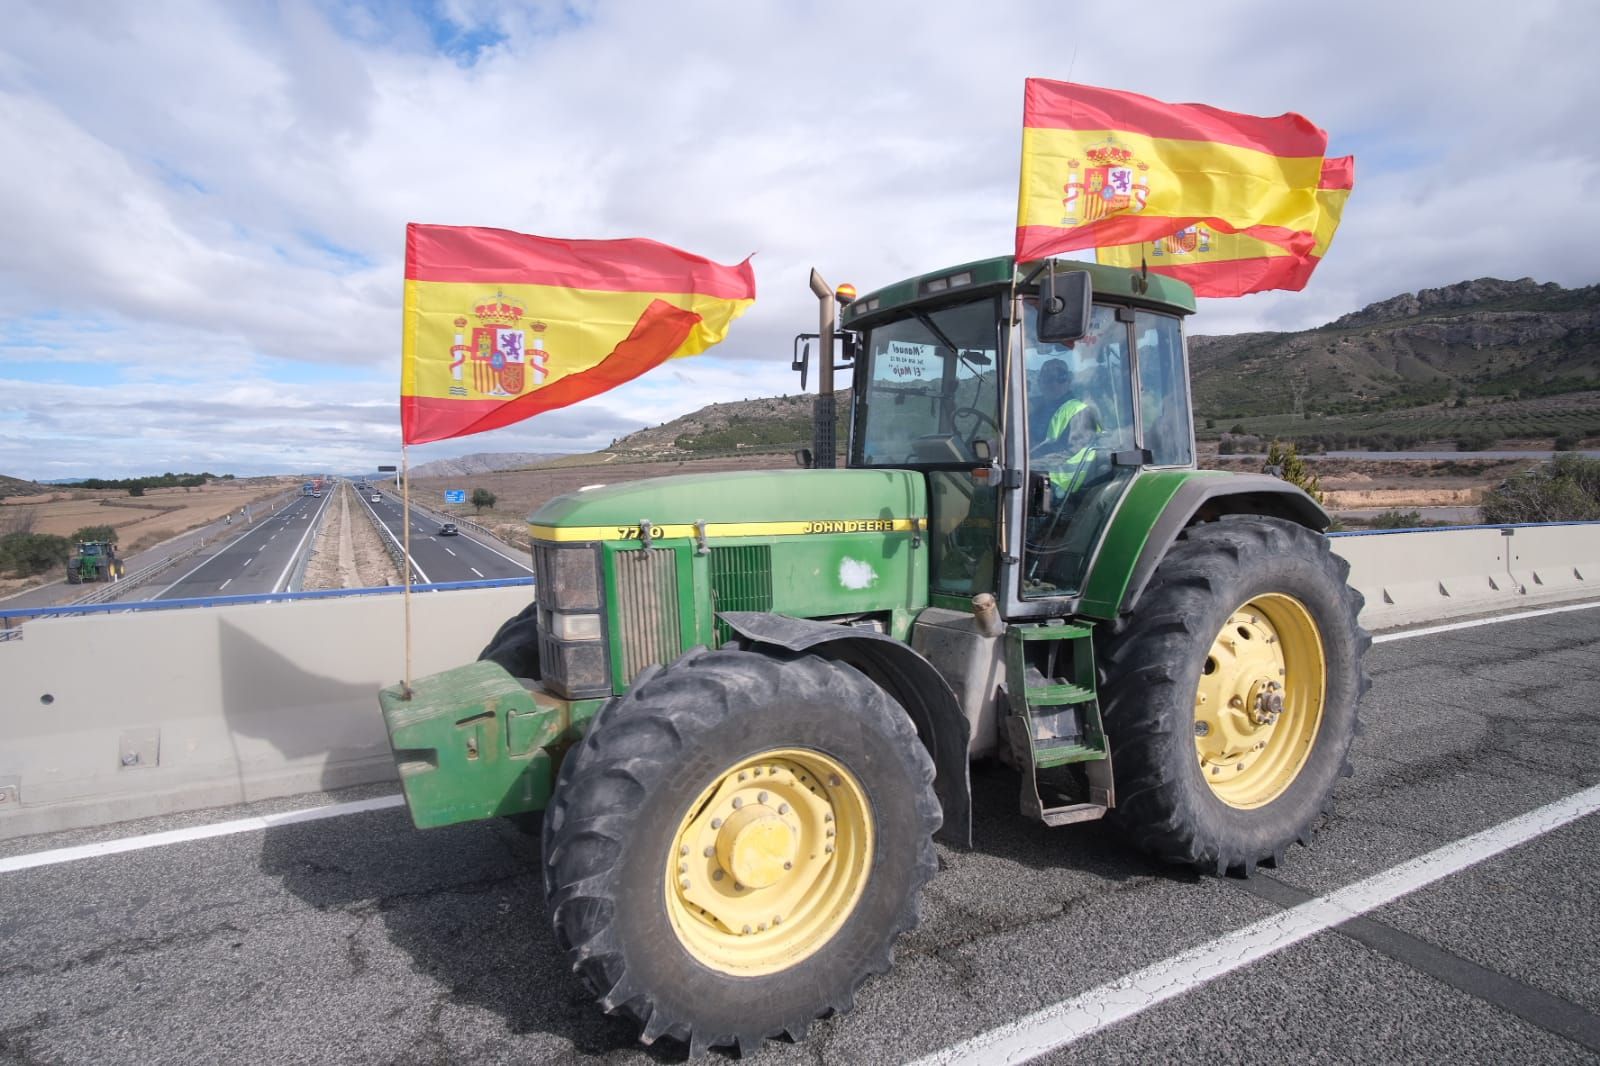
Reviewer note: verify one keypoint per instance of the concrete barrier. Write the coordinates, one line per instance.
(124, 715)
(115, 716)
(1424, 575)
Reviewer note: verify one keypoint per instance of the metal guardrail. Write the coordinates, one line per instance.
(1455, 529)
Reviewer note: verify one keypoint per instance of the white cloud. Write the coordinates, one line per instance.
(204, 195)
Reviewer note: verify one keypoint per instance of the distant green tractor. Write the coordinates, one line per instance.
(746, 702)
(95, 560)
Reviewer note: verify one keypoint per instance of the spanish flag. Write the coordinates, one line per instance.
(1102, 168)
(499, 326)
(1220, 264)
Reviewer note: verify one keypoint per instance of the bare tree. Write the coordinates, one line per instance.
(18, 519)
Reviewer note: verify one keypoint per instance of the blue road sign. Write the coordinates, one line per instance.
(455, 495)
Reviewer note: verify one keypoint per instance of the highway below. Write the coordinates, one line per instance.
(262, 557)
(347, 936)
(437, 559)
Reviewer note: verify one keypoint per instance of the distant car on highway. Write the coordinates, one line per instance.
(447, 530)
(377, 498)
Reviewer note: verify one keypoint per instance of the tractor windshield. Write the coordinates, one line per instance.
(927, 388)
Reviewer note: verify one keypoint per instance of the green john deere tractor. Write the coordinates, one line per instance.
(95, 560)
(746, 703)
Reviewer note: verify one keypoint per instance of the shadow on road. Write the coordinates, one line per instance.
(466, 904)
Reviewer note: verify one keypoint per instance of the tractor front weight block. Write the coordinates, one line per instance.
(474, 743)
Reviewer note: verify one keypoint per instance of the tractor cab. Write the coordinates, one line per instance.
(1029, 428)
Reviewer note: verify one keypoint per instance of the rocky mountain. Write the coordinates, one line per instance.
(10, 486)
(774, 423)
(482, 463)
(1476, 339)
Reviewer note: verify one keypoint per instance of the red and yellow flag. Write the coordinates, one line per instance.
(1102, 168)
(500, 326)
(1217, 263)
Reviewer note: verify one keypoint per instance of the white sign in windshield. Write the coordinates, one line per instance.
(905, 361)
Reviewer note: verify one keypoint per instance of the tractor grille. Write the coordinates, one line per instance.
(741, 580)
(647, 609)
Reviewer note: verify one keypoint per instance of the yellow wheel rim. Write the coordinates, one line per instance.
(769, 862)
(1260, 700)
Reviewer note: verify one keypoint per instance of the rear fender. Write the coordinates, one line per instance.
(905, 675)
(1160, 506)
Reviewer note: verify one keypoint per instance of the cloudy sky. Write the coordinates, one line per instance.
(202, 206)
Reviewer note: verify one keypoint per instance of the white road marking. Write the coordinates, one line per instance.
(502, 554)
(197, 567)
(225, 584)
(448, 550)
(250, 560)
(196, 832)
(475, 570)
(283, 579)
(1099, 1008)
(1448, 627)
(385, 527)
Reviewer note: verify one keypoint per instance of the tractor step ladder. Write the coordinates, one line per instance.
(1057, 720)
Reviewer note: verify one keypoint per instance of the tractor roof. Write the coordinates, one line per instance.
(1114, 283)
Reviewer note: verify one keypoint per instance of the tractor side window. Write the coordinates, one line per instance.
(929, 391)
(1163, 389)
(1079, 393)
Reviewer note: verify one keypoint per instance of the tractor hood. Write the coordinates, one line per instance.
(741, 503)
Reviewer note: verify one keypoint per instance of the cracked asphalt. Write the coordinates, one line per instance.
(358, 939)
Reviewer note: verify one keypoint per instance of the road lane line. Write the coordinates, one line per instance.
(385, 527)
(497, 551)
(225, 584)
(1450, 626)
(1099, 1008)
(475, 570)
(202, 563)
(283, 578)
(196, 832)
(448, 550)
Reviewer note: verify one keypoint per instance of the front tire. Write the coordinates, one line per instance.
(797, 775)
(1231, 694)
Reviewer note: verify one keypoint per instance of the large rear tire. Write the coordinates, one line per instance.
(515, 645)
(735, 845)
(1231, 694)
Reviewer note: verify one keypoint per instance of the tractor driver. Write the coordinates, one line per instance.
(1064, 421)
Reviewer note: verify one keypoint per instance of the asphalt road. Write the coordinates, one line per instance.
(358, 939)
(263, 557)
(436, 559)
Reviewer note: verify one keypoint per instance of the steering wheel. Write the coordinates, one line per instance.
(979, 418)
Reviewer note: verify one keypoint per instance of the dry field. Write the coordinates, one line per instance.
(517, 492)
(1350, 484)
(140, 521)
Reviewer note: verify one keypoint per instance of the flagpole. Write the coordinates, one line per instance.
(405, 564)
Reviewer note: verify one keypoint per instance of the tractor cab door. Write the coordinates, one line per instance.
(927, 397)
(1091, 415)
(1080, 426)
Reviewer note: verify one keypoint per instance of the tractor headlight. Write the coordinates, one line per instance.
(573, 658)
(575, 626)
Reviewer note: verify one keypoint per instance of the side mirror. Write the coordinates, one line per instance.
(1064, 307)
(802, 458)
(982, 450)
(802, 358)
